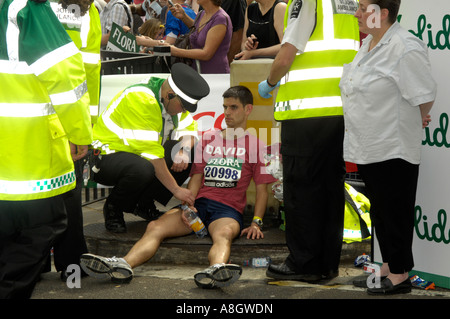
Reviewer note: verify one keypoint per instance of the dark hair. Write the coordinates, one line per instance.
(82, 4)
(393, 6)
(243, 94)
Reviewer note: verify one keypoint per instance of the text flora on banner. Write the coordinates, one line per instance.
(121, 41)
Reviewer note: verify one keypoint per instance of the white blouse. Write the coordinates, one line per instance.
(381, 92)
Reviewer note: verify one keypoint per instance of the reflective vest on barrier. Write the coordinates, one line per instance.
(128, 125)
(357, 222)
(311, 87)
(43, 103)
(86, 32)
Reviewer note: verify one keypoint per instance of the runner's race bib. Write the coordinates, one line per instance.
(223, 172)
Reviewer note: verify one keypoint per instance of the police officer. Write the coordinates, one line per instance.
(131, 133)
(320, 36)
(44, 105)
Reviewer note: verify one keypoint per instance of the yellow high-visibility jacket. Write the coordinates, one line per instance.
(43, 102)
(86, 32)
(311, 87)
(133, 122)
(357, 222)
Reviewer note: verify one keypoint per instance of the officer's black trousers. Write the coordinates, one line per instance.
(28, 230)
(134, 179)
(391, 188)
(313, 186)
(72, 244)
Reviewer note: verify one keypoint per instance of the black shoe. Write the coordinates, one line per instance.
(362, 283)
(387, 288)
(283, 272)
(148, 214)
(114, 221)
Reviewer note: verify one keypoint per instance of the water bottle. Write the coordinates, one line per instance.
(86, 173)
(261, 262)
(196, 223)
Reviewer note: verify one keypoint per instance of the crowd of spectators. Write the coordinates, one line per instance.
(224, 30)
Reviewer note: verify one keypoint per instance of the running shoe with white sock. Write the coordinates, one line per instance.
(104, 268)
(218, 275)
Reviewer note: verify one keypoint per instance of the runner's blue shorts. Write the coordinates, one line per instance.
(210, 210)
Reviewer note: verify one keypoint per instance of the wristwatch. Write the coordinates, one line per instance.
(258, 221)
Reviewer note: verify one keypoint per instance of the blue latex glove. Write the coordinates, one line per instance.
(264, 89)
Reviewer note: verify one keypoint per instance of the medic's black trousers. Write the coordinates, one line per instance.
(72, 244)
(134, 179)
(313, 186)
(28, 230)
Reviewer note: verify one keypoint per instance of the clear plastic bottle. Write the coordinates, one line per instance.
(196, 223)
(86, 173)
(261, 262)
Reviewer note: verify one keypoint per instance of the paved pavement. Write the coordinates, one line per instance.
(168, 278)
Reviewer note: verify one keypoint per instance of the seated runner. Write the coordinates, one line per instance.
(225, 163)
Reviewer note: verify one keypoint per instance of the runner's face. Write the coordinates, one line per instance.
(235, 113)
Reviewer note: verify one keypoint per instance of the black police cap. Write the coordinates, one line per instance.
(188, 85)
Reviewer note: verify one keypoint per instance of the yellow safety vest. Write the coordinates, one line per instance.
(311, 87)
(43, 103)
(86, 32)
(131, 125)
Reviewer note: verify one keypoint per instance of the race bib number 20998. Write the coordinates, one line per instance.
(223, 172)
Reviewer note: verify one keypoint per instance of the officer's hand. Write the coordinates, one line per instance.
(184, 195)
(264, 89)
(78, 151)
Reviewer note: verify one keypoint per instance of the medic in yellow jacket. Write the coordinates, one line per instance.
(82, 23)
(43, 104)
(131, 125)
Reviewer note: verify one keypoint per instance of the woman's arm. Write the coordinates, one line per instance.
(148, 42)
(214, 38)
(244, 33)
(250, 50)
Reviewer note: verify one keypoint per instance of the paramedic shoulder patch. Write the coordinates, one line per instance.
(296, 8)
(345, 6)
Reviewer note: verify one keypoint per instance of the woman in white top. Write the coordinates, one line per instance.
(387, 93)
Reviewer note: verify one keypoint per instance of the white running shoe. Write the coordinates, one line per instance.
(104, 268)
(218, 275)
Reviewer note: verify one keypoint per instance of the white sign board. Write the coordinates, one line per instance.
(430, 21)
